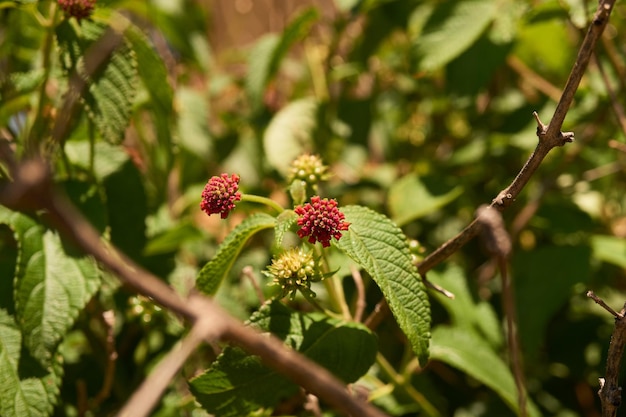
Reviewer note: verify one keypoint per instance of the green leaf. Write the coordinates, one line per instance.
(609, 249)
(467, 351)
(171, 240)
(543, 281)
(51, 285)
(290, 133)
(213, 273)
(411, 198)
(269, 51)
(31, 396)
(380, 247)
(453, 28)
(284, 221)
(465, 310)
(237, 384)
(111, 90)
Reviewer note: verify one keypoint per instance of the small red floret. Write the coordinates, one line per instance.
(80, 9)
(219, 195)
(321, 220)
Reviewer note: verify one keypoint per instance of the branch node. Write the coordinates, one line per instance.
(566, 137)
(541, 127)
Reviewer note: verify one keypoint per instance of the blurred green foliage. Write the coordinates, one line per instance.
(422, 109)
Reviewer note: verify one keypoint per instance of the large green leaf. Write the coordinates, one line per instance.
(465, 310)
(411, 198)
(380, 247)
(453, 28)
(110, 91)
(238, 384)
(543, 281)
(213, 273)
(469, 352)
(28, 397)
(609, 249)
(290, 133)
(52, 285)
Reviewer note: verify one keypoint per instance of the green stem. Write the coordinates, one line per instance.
(405, 384)
(251, 198)
(36, 134)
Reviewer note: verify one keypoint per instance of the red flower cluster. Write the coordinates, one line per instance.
(219, 195)
(321, 220)
(79, 9)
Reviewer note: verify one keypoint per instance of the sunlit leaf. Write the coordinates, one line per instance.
(453, 27)
(51, 285)
(380, 247)
(289, 134)
(410, 198)
(213, 273)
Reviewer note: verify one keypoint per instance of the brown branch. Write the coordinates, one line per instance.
(360, 304)
(498, 244)
(610, 392)
(33, 190)
(550, 136)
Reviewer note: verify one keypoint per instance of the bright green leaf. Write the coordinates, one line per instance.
(213, 273)
(410, 198)
(467, 351)
(52, 285)
(30, 397)
(238, 384)
(380, 247)
(452, 28)
(609, 249)
(289, 133)
(284, 221)
(109, 96)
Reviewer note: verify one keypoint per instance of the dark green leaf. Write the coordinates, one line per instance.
(380, 247)
(467, 351)
(238, 384)
(213, 273)
(543, 282)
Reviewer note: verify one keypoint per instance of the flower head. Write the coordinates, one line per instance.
(293, 270)
(321, 220)
(308, 168)
(79, 9)
(219, 195)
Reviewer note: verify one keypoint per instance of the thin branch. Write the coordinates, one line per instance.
(610, 392)
(550, 136)
(498, 243)
(33, 190)
(359, 308)
(108, 320)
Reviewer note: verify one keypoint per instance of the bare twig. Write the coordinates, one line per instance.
(610, 392)
(108, 319)
(550, 136)
(359, 308)
(498, 243)
(248, 272)
(34, 190)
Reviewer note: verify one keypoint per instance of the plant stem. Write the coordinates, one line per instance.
(403, 383)
(251, 198)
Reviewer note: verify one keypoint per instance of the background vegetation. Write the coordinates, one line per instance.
(422, 110)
